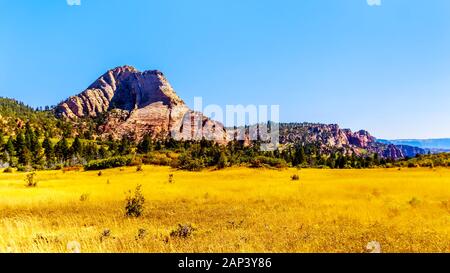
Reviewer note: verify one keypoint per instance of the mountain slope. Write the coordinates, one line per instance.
(134, 104)
(14, 115)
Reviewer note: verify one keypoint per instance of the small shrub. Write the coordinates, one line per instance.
(8, 170)
(141, 234)
(295, 177)
(376, 193)
(113, 162)
(105, 235)
(30, 180)
(100, 173)
(414, 202)
(136, 161)
(41, 239)
(139, 168)
(446, 205)
(135, 203)
(25, 169)
(263, 161)
(393, 212)
(235, 225)
(38, 167)
(84, 197)
(182, 231)
(72, 169)
(189, 163)
(160, 159)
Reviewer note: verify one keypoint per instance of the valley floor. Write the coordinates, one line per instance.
(234, 210)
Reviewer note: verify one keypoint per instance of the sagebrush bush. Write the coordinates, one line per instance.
(8, 170)
(414, 202)
(446, 205)
(182, 231)
(263, 161)
(84, 197)
(25, 169)
(113, 162)
(30, 180)
(72, 168)
(105, 235)
(141, 234)
(134, 206)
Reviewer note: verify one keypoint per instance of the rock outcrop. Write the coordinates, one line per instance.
(137, 103)
(326, 134)
(330, 137)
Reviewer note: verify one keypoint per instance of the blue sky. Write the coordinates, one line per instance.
(382, 68)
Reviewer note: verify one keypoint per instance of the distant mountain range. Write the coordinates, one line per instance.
(433, 145)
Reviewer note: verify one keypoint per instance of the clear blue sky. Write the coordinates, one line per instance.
(381, 68)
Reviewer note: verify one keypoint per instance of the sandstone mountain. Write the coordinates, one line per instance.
(137, 103)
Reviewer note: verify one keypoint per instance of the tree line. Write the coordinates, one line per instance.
(33, 148)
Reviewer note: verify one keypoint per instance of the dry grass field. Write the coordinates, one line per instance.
(234, 210)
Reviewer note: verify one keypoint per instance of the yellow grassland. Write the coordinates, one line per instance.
(233, 210)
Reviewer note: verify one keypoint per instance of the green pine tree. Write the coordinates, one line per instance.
(48, 151)
(223, 160)
(145, 145)
(77, 147)
(299, 156)
(62, 150)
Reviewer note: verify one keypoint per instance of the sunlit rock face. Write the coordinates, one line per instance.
(137, 103)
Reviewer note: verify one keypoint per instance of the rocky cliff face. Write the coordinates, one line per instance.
(328, 135)
(136, 103)
(122, 88)
(332, 137)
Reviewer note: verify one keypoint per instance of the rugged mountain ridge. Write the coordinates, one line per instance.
(331, 136)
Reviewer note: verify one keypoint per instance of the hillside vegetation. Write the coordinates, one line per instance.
(32, 139)
(14, 115)
(431, 160)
